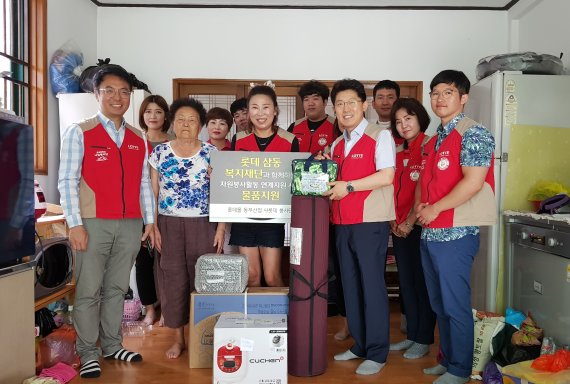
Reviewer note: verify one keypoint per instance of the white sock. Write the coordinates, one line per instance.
(437, 370)
(416, 351)
(448, 378)
(402, 345)
(369, 367)
(346, 355)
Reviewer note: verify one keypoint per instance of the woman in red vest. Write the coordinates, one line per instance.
(409, 122)
(219, 121)
(262, 243)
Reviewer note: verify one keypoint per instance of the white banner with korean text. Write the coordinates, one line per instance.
(251, 186)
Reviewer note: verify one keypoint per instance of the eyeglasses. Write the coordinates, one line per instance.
(109, 92)
(189, 119)
(446, 94)
(350, 103)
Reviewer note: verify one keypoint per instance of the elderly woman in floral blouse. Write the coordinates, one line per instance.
(181, 184)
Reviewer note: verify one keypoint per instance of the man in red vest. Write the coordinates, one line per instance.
(455, 197)
(315, 131)
(106, 196)
(362, 207)
(384, 94)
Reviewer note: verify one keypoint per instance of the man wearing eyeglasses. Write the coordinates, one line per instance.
(106, 195)
(362, 207)
(455, 196)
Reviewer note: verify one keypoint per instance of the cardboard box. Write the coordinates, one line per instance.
(250, 349)
(509, 379)
(205, 308)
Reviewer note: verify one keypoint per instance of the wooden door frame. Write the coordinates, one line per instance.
(180, 86)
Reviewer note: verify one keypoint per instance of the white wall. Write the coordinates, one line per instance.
(544, 29)
(66, 19)
(160, 44)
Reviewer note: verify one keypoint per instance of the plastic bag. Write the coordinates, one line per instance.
(525, 371)
(553, 363)
(86, 78)
(135, 328)
(506, 353)
(311, 177)
(515, 318)
(527, 62)
(44, 320)
(59, 346)
(491, 374)
(529, 334)
(65, 68)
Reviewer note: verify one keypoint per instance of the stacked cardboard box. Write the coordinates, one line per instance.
(206, 308)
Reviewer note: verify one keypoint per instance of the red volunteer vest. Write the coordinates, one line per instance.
(358, 164)
(442, 171)
(280, 143)
(318, 140)
(111, 176)
(227, 145)
(409, 164)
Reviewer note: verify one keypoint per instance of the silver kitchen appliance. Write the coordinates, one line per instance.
(538, 271)
(501, 102)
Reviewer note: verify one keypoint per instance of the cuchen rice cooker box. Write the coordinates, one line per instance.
(206, 308)
(250, 349)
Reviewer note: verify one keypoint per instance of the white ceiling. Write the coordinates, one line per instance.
(394, 4)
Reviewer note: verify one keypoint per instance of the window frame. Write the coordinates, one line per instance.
(37, 94)
(31, 103)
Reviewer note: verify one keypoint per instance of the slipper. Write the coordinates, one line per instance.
(124, 355)
(90, 370)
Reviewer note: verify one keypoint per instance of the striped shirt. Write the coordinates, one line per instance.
(71, 159)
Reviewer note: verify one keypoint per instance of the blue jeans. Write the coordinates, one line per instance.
(447, 268)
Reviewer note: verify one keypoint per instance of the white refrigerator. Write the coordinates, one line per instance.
(502, 101)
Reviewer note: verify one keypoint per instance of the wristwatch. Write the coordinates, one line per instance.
(349, 187)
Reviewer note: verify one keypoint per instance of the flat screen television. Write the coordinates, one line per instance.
(17, 223)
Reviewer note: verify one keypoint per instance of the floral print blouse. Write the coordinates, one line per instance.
(184, 183)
